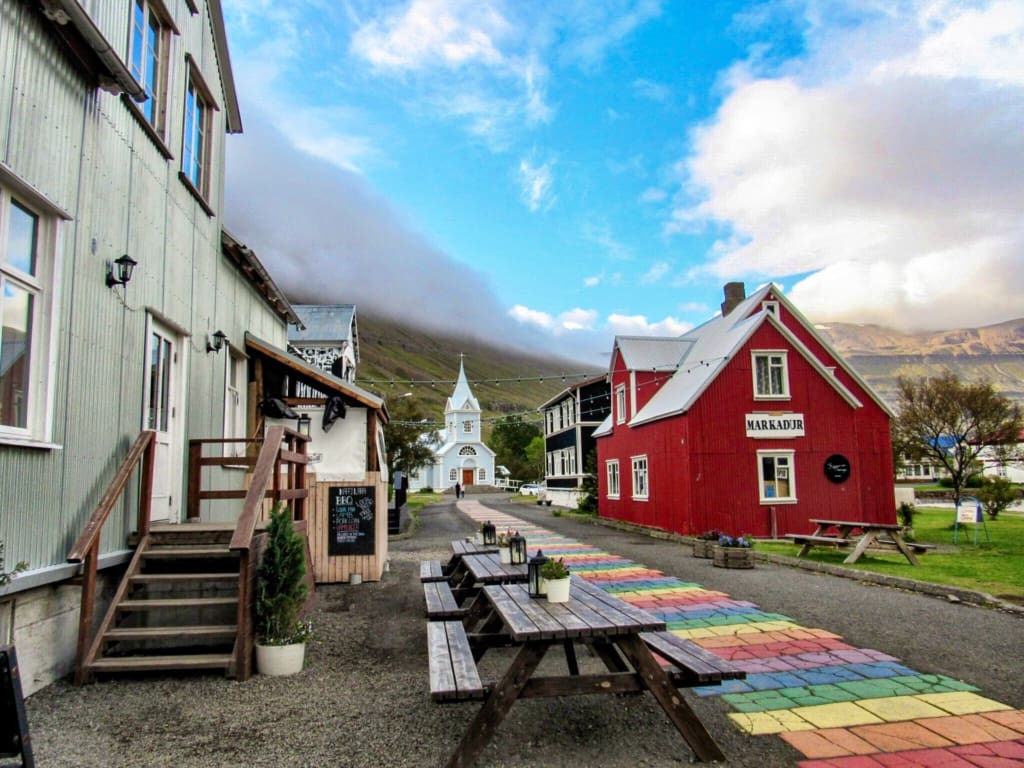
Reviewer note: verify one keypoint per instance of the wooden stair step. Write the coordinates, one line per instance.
(177, 602)
(199, 550)
(162, 663)
(163, 633)
(178, 578)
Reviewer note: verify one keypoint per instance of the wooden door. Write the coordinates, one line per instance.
(467, 477)
(163, 412)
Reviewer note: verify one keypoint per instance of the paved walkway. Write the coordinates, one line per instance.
(839, 706)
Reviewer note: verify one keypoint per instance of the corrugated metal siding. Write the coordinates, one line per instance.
(124, 197)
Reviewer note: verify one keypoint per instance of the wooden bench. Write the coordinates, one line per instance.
(915, 546)
(692, 665)
(805, 538)
(441, 603)
(431, 570)
(453, 673)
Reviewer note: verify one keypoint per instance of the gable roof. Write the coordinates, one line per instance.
(247, 263)
(652, 353)
(707, 350)
(462, 398)
(324, 322)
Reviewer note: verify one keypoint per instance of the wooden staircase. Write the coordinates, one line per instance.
(176, 607)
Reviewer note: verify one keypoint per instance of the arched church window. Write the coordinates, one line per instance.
(467, 450)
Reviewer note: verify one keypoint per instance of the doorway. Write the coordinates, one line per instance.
(163, 412)
(467, 477)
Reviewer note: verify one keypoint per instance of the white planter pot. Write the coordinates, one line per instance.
(543, 586)
(280, 659)
(506, 555)
(478, 538)
(558, 590)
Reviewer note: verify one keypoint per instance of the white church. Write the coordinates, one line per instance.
(462, 457)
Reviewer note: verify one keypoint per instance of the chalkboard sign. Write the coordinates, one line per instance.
(14, 738)
(353, 516)
(837, 468)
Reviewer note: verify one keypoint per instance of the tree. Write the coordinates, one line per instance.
(951, 422)
(509, 440)
(996, 495)
(409, 437)
(588, 501)
(535, 456)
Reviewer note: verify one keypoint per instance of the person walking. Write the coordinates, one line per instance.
(458, 491)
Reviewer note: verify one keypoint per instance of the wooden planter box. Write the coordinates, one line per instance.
(704, 548)
(733, 557)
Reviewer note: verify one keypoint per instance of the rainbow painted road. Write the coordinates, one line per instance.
(837, 705)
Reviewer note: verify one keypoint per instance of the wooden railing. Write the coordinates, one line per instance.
(86, 548)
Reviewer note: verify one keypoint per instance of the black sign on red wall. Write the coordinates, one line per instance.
(837, 468)
(352, 520)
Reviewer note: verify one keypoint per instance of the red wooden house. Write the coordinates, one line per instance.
(750, 423)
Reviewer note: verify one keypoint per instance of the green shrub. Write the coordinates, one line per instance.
(281, 588)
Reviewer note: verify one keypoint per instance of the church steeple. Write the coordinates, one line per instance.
(462, 398)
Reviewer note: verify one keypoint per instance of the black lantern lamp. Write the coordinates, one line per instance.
(490, 533)
(120, 272)
(303, 424)
(517, 549)
(533, 578)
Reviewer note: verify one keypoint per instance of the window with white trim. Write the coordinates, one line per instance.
(771, 377)
(149, 54)
(197, 139)
(28, 256)
(771, 306)
(775, 475)
(467, 427)
(236, 390)
(453, 475)
(639, 477)
(467, 450)
(611, 469)
(481, 475)
(620, 404)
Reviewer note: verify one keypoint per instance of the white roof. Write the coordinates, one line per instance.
(705, 352)
(652, 353)
(462, 398)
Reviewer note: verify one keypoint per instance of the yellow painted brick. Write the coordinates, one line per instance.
(896, 708)
(779, 721)
(839, 715)
(690, 634)
(962, 702)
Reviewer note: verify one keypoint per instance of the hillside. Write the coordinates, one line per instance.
(504, 381)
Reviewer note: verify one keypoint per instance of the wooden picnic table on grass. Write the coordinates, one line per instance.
(842, 534)
(623, 637)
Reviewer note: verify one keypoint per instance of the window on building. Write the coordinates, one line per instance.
(775, 475)
(550, 420)
(572, 461)
(467, 450)
(236, 385)
(197, 141)
(149, 51)
(28, 252)
(611, 469)
(453, 475)
(467, 427)
(620, 404)
(481, 475)
(639, 477)
(771, 380)
(771, 306)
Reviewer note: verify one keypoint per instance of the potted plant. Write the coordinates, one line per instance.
(281, 592)
(504, 552)
(733, 552)
(556, 578)
(704, 546)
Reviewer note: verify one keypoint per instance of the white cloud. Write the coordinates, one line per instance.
(535, 317)
(890, 188)
(653, 195)
(656, 273)
(652, 91)
(600, 233)
(576, 319)
(593, 281)
(638, 325)
(536, 184)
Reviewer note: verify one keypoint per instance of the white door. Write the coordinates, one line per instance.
(164, 413)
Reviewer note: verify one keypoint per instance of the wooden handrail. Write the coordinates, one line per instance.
(142, 448)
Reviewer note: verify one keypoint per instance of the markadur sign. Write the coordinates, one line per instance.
(766, 425)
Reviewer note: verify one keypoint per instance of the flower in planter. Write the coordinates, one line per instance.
(739, 542)
(713, 535)
(554, 569)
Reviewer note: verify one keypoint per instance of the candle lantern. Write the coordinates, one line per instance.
(533, 578)
(517, 545)
(490, 533)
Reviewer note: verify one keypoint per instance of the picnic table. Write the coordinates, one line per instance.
(624, 638)
(842, 534)
(446, 594)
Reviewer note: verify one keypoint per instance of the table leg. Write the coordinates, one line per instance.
(818, 531)
(679, 712)
(902, 546)
(862, 545)
(570, 658)
(497, 705)
(611, 658)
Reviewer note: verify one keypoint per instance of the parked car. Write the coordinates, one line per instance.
(531, 489)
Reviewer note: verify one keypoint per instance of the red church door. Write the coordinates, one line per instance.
(467, 477)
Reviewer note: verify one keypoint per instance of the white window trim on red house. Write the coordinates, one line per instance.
(611, 468)
(620, 404)
(759, 354)
(641, 487)
(790, 468)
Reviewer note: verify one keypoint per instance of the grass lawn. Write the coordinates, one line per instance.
(996, 567)
(416, 500)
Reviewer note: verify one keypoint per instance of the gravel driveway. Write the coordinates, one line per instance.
(363, 699)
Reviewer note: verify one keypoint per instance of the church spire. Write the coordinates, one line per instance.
(462, 398)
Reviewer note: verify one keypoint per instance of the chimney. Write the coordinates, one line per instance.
(734, 294)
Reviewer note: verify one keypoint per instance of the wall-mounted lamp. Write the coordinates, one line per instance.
(120, 272)
(304, 421)
(216, 342)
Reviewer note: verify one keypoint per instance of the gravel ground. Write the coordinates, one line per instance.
(363, 698)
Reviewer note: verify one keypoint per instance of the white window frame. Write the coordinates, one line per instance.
(197, 136)
(771, 306)
(641, 479)
(620, 404)
(790, 472)
(481, 474)
(611, 468)
(453, 475)
(236, 400)
(783, 365)
(152, 70)
(44, 286)
(467, 427)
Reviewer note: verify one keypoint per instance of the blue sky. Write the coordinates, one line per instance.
(550, 174)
